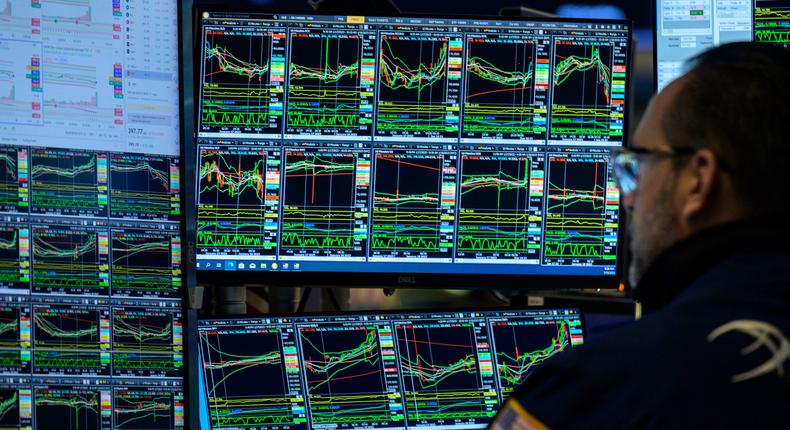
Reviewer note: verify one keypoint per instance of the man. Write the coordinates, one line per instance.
(706, 183)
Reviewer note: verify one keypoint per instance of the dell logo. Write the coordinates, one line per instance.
(407, 280)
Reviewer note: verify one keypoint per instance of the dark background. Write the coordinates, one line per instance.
(640, 11)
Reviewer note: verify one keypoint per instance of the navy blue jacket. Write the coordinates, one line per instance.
(711, 352)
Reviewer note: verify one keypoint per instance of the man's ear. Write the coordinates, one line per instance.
(698, 186)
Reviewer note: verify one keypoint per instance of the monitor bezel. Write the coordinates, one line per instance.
(191, 342)
(397, 279)
(654, 14)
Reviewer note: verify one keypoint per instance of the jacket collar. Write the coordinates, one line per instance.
(684, 262)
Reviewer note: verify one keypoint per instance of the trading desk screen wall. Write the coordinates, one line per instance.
(90, 207)
(430, 370)
(409, 145)
(685, 28)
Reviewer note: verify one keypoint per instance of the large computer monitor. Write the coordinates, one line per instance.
(91, 297)
(685, 28)
(415, 370)
(411, 150)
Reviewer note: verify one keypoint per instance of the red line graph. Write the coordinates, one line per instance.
(502, 90)
(408, 163)
(340, 378)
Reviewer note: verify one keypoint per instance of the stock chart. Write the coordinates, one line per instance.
(522, 346)
(499, 207)
(15, 179)
(505, 89)
(374, 370)
(146, 342)
(586, 102)
(243, 77)
(443, 374)
(70, 259)
(772, 22)
(146, 408)
(231, 361)
(67, 182)
(413, 192)
(72, 408)
(348, 381)
(144, 187)
(325, 197)
(419, 85)
(579, 213)
(145, 263)
(14, 256)
(71, 340)
(14, 339)
(238, 199)
(405, 145)
(330, 82)
(12, 414)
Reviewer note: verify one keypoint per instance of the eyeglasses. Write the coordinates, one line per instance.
(627, 162)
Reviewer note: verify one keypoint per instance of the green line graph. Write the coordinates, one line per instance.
(9, 166)
(419, 86)
(501, 98)
(332, 364)
(500, 181)
(443, 372)
(9, 327)
(130, 248)
(409, 200)
(242, 82)
(497, 206)
(229, 63)
(10, 243)
(326, 89)
(137, 410)
(572, 64)
(396, 73)
(70, 172)
(68, 259)
(154, 174)
(80, 408)
(430, 374)
(231, 364)
(11, 188)
(576, 210)
(246, 182)
(136, 331)
(68, 183)
(322, 198)
(488, 71)
(83, 329)
(249, 378)
(328, 74)
(143, 263)
(140, 185)
(237, 187)
(772, 23)
(9, 406)
(563, 198)
(513, 367)
(588, 92)
(346, 377)
(46, 249)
